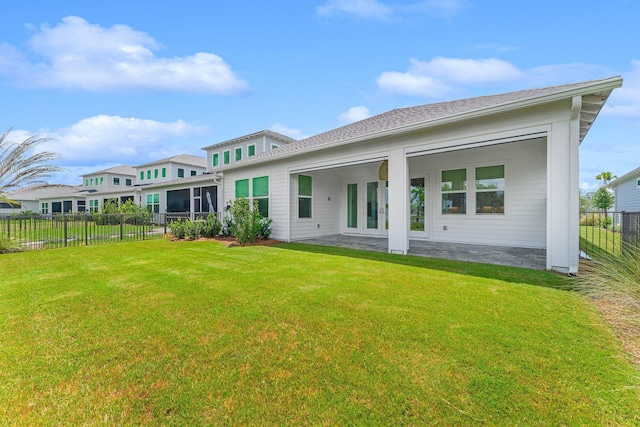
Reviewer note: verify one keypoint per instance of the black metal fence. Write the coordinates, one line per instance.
(43, 231)
(608, 232)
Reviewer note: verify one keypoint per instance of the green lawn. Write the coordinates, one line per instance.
(596, 239)
(192, 333)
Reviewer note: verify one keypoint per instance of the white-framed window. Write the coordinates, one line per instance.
(116, 180)
(226, 157)
(153, 202)
(274, 146)
(251, 150)
(238, 154)
(258, 192)
(44, 207)
(490, 183)
(305, 194)
(93, 206)
(453, 185)
(215, 160)
(127, 182)
(180, 173)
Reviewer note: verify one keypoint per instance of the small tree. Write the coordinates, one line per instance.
(603, 200)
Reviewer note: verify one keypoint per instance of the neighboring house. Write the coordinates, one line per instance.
(51, 199)
(496, 170)
(627, 192)
(235, 150)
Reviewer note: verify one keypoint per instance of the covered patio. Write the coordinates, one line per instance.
(487, 254)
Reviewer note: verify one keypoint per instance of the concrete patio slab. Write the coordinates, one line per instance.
(486, 254)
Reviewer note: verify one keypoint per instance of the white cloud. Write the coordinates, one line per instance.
(121, 140)
(354, 114)
(375, 10)
(625, 101)
(440, 76)
(292, 133)
(366, 9)
(81, 55)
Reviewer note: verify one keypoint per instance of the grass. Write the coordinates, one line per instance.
(597, 239)
(161, 332)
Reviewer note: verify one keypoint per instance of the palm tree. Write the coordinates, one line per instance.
(20, 166)
(605, 177)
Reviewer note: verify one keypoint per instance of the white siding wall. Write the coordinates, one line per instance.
(325, 206)
(524, 221)
(278, 193)
(628, 196)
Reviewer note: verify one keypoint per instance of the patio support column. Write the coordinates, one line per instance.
(563, 142)
(398, 204)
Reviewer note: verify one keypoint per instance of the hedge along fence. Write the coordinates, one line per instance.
(43, 231)
(600, 232)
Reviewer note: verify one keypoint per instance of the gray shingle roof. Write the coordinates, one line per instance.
(120, 169)
(185, 159)
(425, 114)
(271, 134)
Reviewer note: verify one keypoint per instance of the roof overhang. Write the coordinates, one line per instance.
(593, 98)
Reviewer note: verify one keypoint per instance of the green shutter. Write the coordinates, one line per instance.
(149, 174)
(226, 157)
(216, 160)
(164, 172)
(304, 185)
(261, 186)
(238, 154)
(141, 175)
(242, 188)
(251, 150)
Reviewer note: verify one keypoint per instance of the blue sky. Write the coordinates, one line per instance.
(129, 82)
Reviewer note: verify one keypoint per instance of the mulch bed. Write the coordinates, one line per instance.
(231, 241)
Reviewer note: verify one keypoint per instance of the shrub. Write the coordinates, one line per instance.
(193, 229)
(227, 226)
(178, 229)
(614, 275)
(211, 226)
(8, 245)
(246, 220)
(264, 231)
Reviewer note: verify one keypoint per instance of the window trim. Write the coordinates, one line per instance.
(164, 172)
(497, 190)
(226, 157)
(215, 159)
(180, 172)
(250, 188)
(237, 154)
(116, 180)
(305, 197)
(465, 191)
(249, 147)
